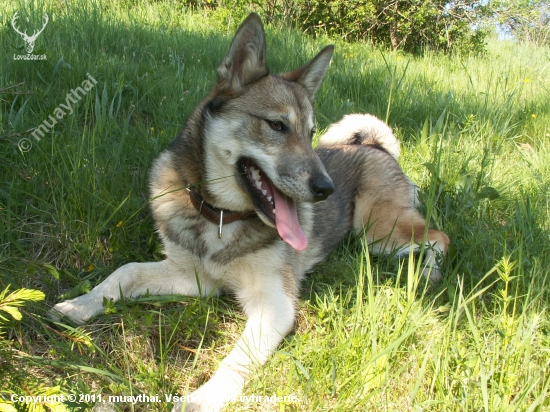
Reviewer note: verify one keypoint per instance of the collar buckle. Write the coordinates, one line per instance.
(219, 216)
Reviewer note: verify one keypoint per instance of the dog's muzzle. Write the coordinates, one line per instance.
(322, 187)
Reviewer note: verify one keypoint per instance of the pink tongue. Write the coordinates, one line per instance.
(287, 223)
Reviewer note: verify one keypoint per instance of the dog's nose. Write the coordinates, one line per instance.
(322, 188)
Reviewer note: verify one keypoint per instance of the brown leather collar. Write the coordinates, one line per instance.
(215, 215)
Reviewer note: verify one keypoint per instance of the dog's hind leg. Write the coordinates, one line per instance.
(132, 280)
(435, 245)
(396, 227)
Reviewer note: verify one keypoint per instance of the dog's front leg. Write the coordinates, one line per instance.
(132, 280)
(270, 314)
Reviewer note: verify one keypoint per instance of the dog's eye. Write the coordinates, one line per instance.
(276, 125)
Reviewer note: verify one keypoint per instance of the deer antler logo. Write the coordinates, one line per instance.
(29, 39)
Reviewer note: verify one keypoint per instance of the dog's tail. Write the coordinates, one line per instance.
(361, 129)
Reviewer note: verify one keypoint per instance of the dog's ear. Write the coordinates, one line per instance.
(311, 75)
(245, 61)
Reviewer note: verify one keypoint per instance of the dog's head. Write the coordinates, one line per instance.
(259, 130)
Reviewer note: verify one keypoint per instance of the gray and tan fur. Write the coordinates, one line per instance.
(247, 146)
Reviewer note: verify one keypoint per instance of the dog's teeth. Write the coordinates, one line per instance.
(258, 184)
(273, 210)
(256, 174)
(269, 198)
(264, 192)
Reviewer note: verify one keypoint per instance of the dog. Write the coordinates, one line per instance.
(244, 205)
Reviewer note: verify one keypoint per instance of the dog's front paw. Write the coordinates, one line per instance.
(195, 407)
(222, 389)
(79, 310)
(201, 401)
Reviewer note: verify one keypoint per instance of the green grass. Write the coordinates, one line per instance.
(370, 335)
